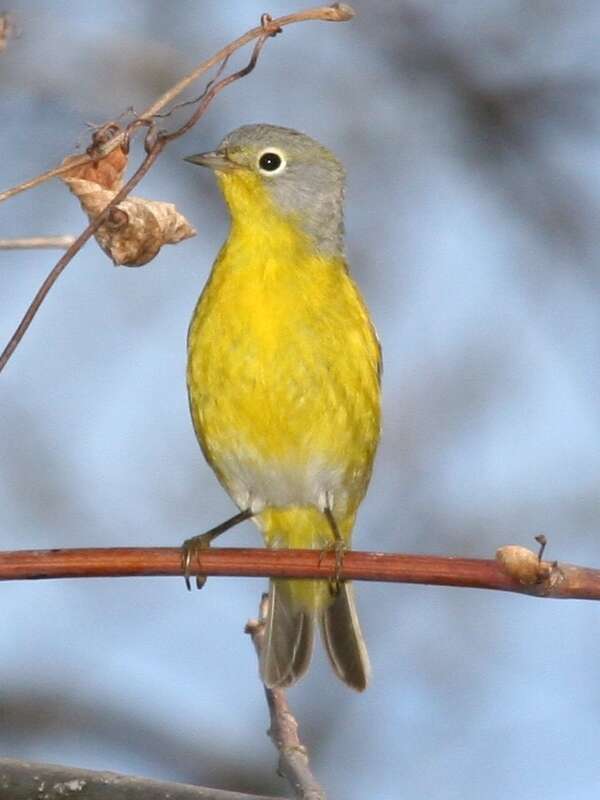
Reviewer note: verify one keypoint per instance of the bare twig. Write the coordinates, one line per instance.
(267, 29)
(338, 12)
(293, 757)
(214, 88)
(558, 580)
(37, 243)
(60, 265)
(23, 780)
(43, 177)
(155, 144)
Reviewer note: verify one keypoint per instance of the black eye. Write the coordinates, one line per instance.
(269, 162)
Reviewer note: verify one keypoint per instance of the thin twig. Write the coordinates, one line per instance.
(159, 143)
(267, 29)
(194, 100)
(293, 757)
(84, 158)
(60, 265)
(213, 90)
(558, 580)
(37, 243)
(338, 12)
(23, 780)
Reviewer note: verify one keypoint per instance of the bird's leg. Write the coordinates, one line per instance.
(195, 544)
(339, 547)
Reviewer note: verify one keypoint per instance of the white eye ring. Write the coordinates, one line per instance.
(273, 165)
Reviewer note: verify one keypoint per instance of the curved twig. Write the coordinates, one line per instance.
(337, 12)
(267, 29)
(60, 265)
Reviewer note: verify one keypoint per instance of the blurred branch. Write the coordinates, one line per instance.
(8, 29)
(337, 12)
(24, 780)
(155, 143)
(547, 579)
(37, 243)
(293, 758)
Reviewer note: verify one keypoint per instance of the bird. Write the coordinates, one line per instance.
(284, 383)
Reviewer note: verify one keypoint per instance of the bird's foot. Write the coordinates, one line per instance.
(191, 549)
(338, 547)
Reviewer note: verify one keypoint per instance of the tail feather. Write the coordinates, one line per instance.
(289, 639)
(295, 606)
(344, 641)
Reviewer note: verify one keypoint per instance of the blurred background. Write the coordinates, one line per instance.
(470, 136)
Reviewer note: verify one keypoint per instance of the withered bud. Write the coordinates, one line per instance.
(522, 564)
(103, 135)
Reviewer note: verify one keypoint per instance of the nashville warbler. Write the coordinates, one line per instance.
(284, 382)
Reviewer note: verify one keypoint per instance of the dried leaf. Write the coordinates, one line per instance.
(107, 172)
(136, 228)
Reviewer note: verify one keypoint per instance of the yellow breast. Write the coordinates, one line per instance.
(283, 371)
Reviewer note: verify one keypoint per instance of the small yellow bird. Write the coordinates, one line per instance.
(284, 381)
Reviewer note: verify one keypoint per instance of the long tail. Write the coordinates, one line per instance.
(289, 638)
(289, 635)
(344, 641)
(296, 607)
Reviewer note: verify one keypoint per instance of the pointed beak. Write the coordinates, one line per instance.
(213, 160)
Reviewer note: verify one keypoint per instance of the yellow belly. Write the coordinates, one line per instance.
(283, 378)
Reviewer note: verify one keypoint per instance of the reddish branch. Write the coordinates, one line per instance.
(553, 579)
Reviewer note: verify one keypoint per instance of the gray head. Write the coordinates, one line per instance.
(302, 178)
